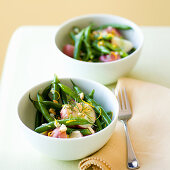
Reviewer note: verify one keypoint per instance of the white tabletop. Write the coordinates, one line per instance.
(29, 61)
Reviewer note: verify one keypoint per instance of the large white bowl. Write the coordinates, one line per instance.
(105, 73)
(68, 149)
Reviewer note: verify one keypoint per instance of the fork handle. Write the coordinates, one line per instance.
(132, 162)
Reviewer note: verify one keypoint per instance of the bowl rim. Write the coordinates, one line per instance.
(133, 25)
(68, 139)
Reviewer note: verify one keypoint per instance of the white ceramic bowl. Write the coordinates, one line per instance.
(105, 73)
(68, 149)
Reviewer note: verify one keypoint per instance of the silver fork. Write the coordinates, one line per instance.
(125, 114)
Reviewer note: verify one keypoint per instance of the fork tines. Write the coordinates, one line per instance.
(123, 100)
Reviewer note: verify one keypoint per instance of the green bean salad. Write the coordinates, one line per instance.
(62, 112)
(98, 44)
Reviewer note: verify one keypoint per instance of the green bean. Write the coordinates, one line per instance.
(122, 53)
(97, 107)
(110, 114)
(51, 104)
(45, 127)
(101, 48)
(78, 91)
(76, 88)
(35, 103)
(91, 95)
(55, 88)
(43, 109)
(109, 45)
(87, 32)
(119, 50)
(103, 123)
(132, 50)
(78, 42)
(45, 93)
(63, 97)
(38, 119)
(117, 26)
(96, 52)
(104, 114)
(84, 132)
(67, 122)
(74, 121)
(98, 123)
(72, 36)
(70, 92)
(83, 50)
(48, 104)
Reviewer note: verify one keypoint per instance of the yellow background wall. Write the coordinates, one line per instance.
(14, 13)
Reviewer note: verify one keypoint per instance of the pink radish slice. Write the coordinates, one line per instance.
(88, 113)
(107, 58)
(65, 111)
(76, 134)
(69, 50)
(81, 110)
(57, 134)
(114, 31)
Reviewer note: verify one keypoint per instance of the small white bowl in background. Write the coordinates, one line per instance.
(68, 149)
(107, 72)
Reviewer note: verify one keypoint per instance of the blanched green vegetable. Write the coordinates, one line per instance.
(117, 26)
(43, 109)
(67, 122)
(71, 111)
(98, 44)
(78, 42)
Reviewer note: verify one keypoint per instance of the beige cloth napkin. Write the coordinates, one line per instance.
(149, 129)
